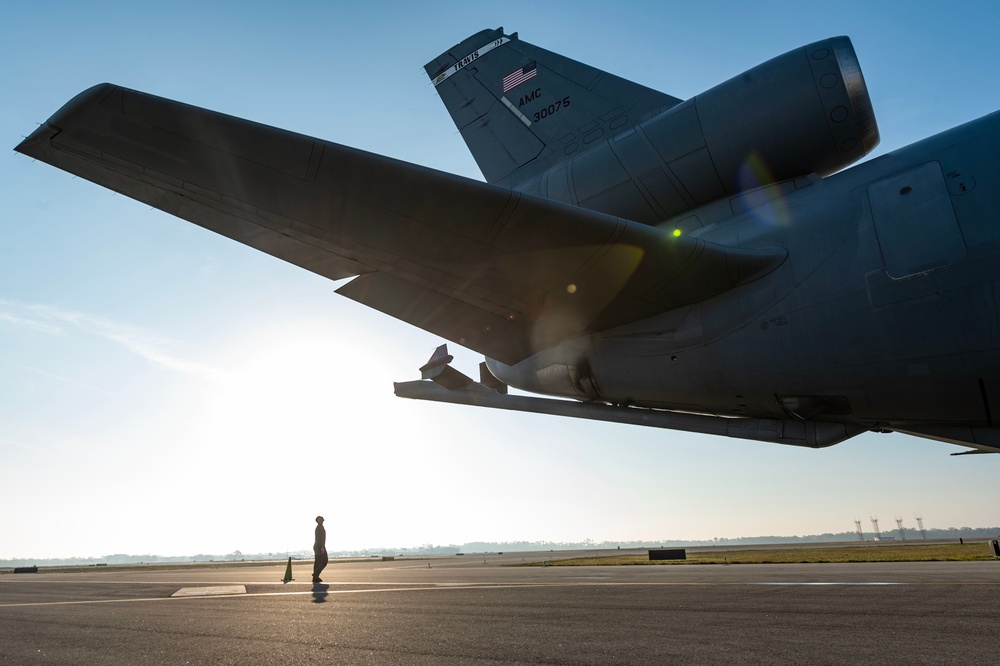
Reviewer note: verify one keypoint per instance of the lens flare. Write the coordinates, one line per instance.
(767, 204)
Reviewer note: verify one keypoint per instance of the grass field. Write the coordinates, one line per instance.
(894, 553)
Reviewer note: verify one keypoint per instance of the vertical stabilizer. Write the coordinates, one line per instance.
(522, 109)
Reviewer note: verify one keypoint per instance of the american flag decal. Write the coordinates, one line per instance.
(519, 76)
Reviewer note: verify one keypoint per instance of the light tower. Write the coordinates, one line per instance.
(857, 525)
(878, 535)
(920, 526)
(899, 526)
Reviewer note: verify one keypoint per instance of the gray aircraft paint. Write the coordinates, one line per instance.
(707, 265)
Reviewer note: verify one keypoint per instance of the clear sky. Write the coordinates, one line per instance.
(167, 391)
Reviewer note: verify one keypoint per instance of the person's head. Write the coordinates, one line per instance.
(319, 519)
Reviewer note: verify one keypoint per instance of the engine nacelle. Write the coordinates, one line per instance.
(807, 111)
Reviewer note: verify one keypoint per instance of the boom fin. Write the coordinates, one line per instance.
(522, 109)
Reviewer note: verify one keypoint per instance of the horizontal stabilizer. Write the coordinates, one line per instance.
(503, 273)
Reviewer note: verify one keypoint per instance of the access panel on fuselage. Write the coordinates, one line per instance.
(915, 222)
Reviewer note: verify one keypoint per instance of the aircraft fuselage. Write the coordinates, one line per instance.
(884, 312)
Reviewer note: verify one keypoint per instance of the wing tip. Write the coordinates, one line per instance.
(34, 144)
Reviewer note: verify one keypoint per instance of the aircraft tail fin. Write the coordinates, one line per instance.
(522, 109)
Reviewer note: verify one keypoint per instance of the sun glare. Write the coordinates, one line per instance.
(294, 385)
(308, 414)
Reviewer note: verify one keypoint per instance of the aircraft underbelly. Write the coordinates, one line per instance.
(929, 387)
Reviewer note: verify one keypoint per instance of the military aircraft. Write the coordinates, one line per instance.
(707, 265)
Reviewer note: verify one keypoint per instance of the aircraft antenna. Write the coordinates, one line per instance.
(899, 526)
(857, 525)
(878, 535)
(920, 526)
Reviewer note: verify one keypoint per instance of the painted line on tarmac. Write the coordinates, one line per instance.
(858, 584)
(311, 592)
(210, 591)
(412, 587)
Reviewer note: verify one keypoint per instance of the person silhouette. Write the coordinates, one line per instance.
(319, 550)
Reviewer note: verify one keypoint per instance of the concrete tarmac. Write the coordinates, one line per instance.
(471, 610)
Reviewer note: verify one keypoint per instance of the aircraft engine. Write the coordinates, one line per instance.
(804, 112)
(807, 111)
